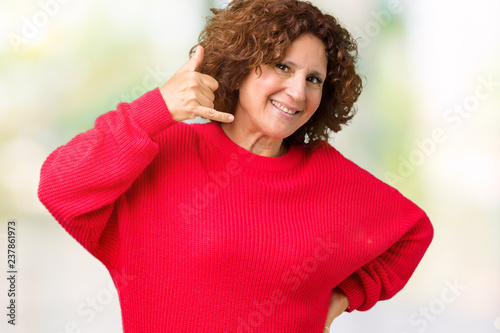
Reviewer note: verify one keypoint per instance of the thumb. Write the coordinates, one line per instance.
(195, 61)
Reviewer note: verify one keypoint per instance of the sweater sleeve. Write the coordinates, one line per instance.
(387, 274)
(81, 181)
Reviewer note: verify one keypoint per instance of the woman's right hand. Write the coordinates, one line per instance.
(189, 94)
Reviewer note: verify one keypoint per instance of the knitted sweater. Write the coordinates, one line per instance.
(201, 235)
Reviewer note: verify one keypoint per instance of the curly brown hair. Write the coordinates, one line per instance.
(250, 33)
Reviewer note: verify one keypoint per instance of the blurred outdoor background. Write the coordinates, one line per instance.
(428, 124)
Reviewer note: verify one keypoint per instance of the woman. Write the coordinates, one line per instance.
(251, 222)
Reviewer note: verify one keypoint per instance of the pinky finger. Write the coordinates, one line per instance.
(212, 114)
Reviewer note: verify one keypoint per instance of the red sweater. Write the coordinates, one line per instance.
(201, 235)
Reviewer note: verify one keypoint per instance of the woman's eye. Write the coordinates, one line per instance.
(315, 80)
(283, 68)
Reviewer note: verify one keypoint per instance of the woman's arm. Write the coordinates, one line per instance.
(387, 274)
(81, 181)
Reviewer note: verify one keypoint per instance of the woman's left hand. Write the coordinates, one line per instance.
(338, 304)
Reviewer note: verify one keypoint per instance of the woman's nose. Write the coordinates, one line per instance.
(296, 89)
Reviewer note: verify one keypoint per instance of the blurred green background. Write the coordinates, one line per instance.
(428, 124)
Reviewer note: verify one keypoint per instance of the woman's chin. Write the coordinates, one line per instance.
(281, 128)
(279, 132)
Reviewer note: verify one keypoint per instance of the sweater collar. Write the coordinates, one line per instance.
(290, 160)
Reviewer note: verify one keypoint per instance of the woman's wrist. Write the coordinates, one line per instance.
(344, 298)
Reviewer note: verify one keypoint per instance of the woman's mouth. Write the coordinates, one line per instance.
(283, 108)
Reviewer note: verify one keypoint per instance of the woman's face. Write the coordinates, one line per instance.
(287, 94)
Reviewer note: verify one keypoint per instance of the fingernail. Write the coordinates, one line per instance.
(231, 117)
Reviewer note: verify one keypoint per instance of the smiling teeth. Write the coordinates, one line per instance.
(283, 108)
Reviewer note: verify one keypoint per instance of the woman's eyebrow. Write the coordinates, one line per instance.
(313, 72)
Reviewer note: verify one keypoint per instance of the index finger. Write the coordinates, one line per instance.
(210, 82)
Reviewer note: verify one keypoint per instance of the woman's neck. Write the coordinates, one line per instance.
(255, 142)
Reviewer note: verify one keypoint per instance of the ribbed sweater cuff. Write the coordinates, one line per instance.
(353, 289)
(150, 112)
